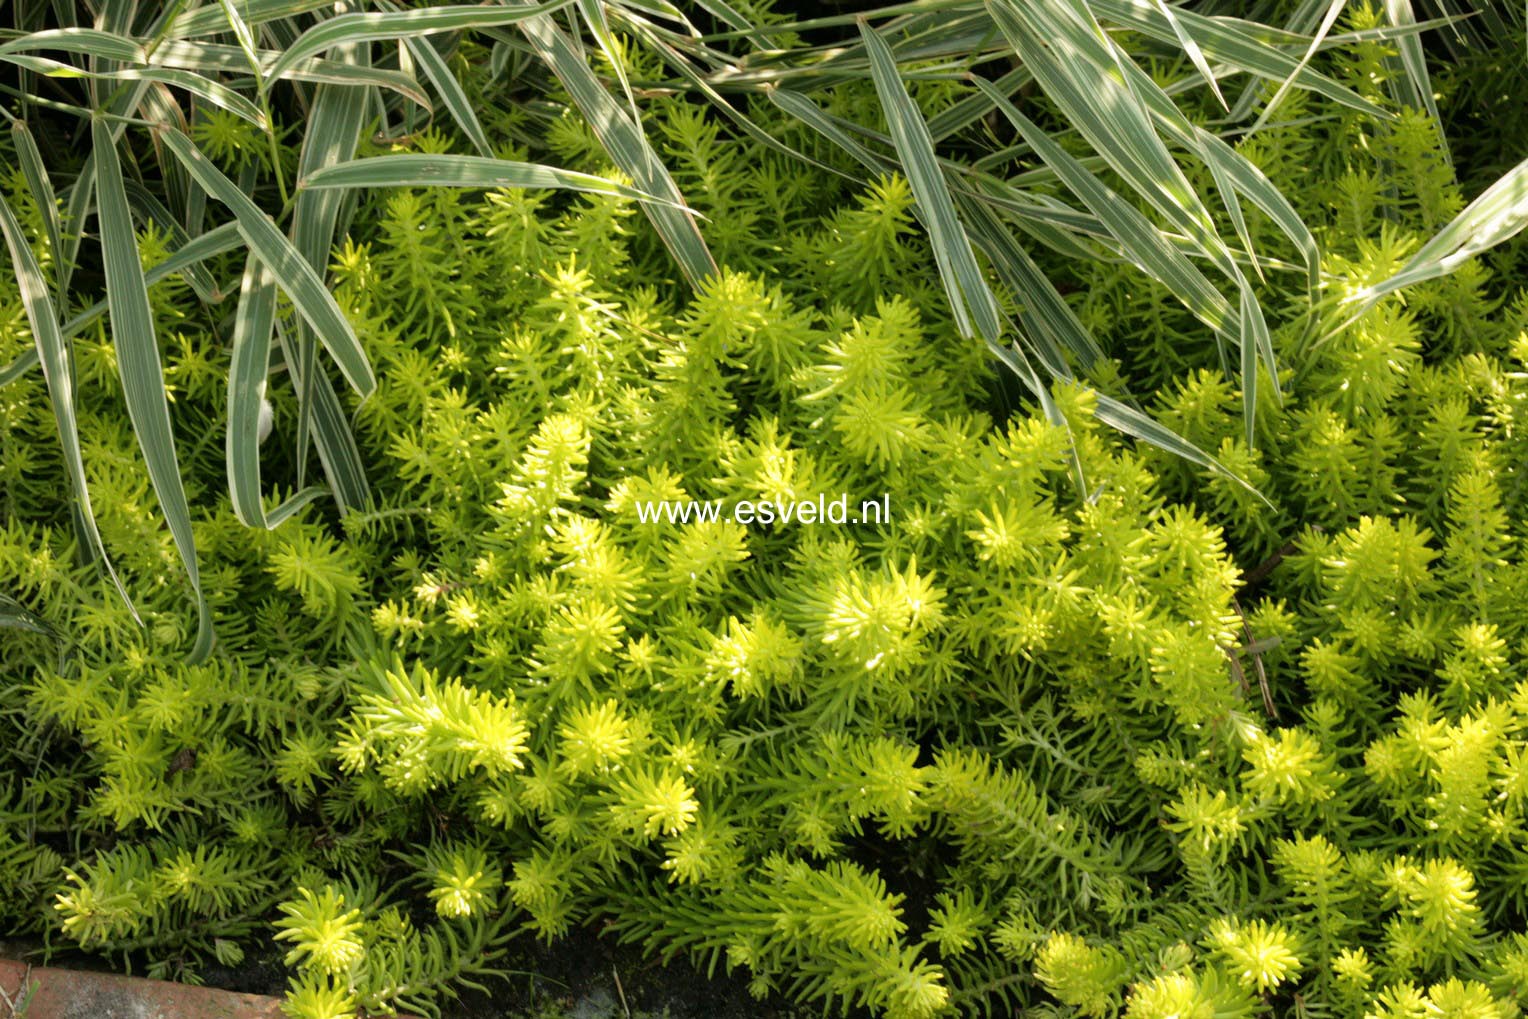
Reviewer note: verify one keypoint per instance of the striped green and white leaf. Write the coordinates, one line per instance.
(1012, 356)
(36, 173)
(16, 616)
(1500, 213)
(1236, 175)
(190, 55)
(209, 19)
(1249, 47)
(819, 120)
(77, 198)
(332, 437)
(148, 208)
(1045, 317)
(1233, 173)
(334, 130)
(450, 92)
(1333, 10)
(55, 357)
(683, 67)
(1140, 239)
(416, 170)
(971, 299)
(1074, 62)
(1255, 343)
(200, 56)
(137, 349)
(89, 42)
(295, 276)
(300, 281)
(1081, 68)
(1191, 49)
(1132, 422)
(243, 33)
(1414, 87)
(197, 85)
(389, 25)
(626, 145)
(217, 241)
(254, 323)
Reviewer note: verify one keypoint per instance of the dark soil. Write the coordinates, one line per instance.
(585, 977)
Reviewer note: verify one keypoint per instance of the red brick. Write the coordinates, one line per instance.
(76, 994)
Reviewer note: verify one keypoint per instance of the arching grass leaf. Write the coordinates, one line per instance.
(374, 26)
(626, 145)
(132, 333)
(1499, 214)
(970, 298)
(53, 353)
(414, 170)
(334, 131)
(249, 364)
(296, 277)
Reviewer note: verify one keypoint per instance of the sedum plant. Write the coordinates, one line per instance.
(261, 108)
(686, 729)
(1143, 746)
